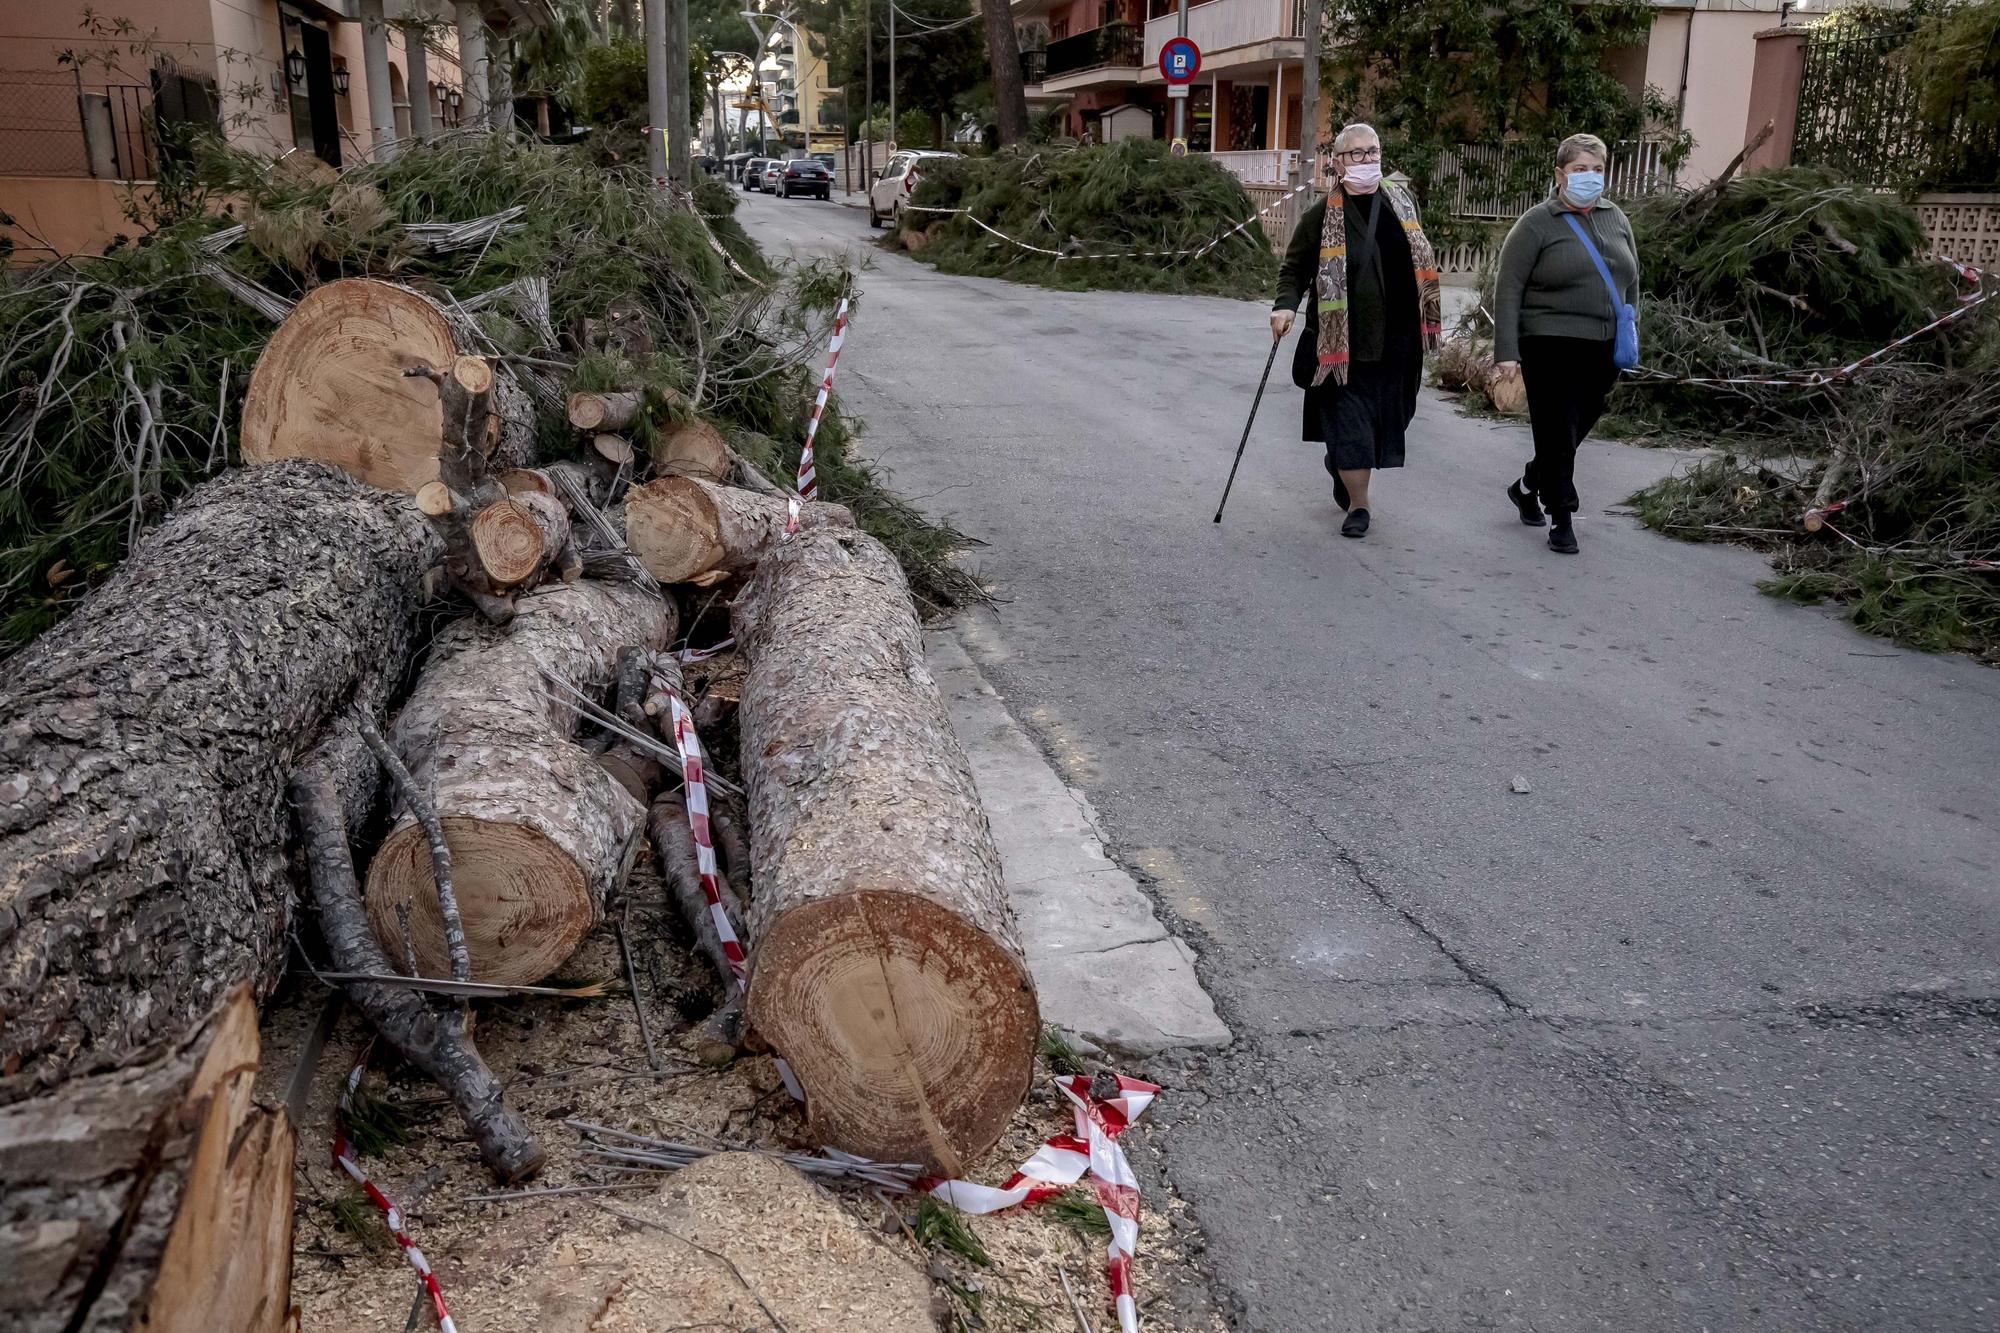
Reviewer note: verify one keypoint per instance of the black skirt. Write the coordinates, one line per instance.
(1362, 422)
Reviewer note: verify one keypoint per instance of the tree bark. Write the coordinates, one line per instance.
(884, 965)
(673, 845)
(145, 745)
(333, 792)
(1010, 98)
(158, 1195)
(682, 528)
(538, 832)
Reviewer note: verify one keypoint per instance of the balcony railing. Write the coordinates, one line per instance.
(1113, 46)
(1034, 67)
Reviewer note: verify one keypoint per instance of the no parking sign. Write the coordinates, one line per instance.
(1180, 61)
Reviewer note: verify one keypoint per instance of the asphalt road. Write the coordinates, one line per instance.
(1702, 1031)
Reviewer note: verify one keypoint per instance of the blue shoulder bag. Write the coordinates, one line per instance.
(1625, 345)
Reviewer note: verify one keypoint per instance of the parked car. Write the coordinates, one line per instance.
(774, 174)
(807, 176)
(890, 190)
(732, 166)
(753, 173)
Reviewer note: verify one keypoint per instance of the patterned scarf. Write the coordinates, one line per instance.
(1331, 289)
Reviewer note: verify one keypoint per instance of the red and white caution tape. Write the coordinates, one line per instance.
(694, 785)
(1061, 1162)
(808, 478)
(391, 1214)
(1821, 376)
(1060, 255)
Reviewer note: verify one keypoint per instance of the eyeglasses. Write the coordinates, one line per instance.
(1360, 155)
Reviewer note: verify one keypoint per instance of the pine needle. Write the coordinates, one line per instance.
(940, 1226)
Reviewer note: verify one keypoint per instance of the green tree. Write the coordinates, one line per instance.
(940, 54)
(1434, 75)
(1954, 61)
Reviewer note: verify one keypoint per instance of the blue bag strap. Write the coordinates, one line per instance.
(1603, 270)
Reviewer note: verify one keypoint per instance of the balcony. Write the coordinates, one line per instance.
(1115, 46)
(1219, 26)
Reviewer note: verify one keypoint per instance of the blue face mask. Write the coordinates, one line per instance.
(1583, 188)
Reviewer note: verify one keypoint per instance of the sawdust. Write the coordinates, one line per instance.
(564, 1264)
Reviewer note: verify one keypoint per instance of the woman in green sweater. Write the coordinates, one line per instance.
(1372, 277)
(1554, 322)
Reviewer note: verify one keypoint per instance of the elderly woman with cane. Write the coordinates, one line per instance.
(1564, 316)
(1362, 259)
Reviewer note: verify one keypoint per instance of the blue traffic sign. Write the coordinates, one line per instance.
(1180, 60)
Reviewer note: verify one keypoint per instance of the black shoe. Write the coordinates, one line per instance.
(1356, 524)
(1525, 501)
(1562, 538)
(1340, 495)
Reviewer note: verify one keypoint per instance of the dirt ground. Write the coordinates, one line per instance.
(534, 1263)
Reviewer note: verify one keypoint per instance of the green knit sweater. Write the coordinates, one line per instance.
(1548, 288)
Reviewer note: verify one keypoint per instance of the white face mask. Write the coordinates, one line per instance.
(1362, 175)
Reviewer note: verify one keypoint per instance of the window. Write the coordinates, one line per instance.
(1058, 29)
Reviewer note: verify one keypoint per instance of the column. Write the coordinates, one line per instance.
(500, 54)
(416, 64)
(375, 68)
(472, 62)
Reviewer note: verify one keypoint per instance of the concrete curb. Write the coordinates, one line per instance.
(1105, 967)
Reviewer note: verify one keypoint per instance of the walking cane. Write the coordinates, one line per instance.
(1254, 405)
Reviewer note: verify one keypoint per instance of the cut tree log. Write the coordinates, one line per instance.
(673, 845)
(691, 448)
(520, 537)
(144, 878)
(884, 960)
(605, 411)
(539, 832)
(335, 383)
(146, 743)
(334, 791)
(157, 1196)
(683, 527)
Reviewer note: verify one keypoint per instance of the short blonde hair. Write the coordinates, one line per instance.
(1349, 133)
(1570, 149)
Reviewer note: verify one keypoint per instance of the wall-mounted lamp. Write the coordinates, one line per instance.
(295, 66)
(456, 99)
(341, 79)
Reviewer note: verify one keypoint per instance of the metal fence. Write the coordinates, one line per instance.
(51, 124)
(1859, 114)
(1117, 45)
(1482, 180)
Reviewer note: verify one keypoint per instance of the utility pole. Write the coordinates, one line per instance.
(868, 82)
(1305, 170)
(893, 131)
(1180, 103)
(658, 109)
(679, 115)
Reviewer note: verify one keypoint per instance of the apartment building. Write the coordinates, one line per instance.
(87, 88)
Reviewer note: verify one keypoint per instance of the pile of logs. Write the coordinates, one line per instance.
(240, 707)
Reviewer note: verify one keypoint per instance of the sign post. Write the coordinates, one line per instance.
(1180, 61)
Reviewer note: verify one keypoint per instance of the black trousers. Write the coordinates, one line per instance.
(1567, 380)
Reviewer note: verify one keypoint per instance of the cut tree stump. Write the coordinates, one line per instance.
(683, 527)
(538, 831)
(157, 1196)
(145, 745)
(691, 448)
(335, 383)
(884, 960)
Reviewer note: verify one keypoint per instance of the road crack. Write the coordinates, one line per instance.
(1466, 968)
